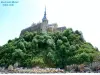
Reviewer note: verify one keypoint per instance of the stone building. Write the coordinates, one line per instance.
(43, 27)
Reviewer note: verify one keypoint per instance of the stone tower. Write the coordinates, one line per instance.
(44, 23)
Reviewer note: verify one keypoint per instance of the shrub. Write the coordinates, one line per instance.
(10, 67)
(38, 61)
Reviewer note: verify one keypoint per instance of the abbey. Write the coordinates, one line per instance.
(43, 27)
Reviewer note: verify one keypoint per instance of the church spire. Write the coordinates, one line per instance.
(44, 18)
(45, 11)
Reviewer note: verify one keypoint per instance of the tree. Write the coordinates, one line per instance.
(82, 58)
(52, 49)
(18, 55)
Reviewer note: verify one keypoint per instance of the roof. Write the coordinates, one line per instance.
(61, 28)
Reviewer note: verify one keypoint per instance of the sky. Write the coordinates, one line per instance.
(82, 15)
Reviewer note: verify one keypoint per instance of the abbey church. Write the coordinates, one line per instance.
(43, 27)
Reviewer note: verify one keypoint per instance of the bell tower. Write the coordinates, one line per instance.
(44, 22)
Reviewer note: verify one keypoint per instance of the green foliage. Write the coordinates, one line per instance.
(18, 55)
(82, 58)
(38, 61)
(53, 50)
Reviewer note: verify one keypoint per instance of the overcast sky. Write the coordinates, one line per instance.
(82, 15)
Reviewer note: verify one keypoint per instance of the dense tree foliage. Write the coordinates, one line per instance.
(48, 50)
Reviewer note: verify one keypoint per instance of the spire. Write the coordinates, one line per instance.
(44, 18)
(45, 11)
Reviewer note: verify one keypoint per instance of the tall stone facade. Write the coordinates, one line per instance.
(43, 27)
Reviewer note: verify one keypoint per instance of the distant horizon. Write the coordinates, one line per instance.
(78, 15)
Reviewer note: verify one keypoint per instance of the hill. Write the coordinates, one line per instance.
(48, 50)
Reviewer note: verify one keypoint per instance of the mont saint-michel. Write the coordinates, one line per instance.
(43, 27)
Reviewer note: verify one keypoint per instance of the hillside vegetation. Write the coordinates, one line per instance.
(48, 50)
